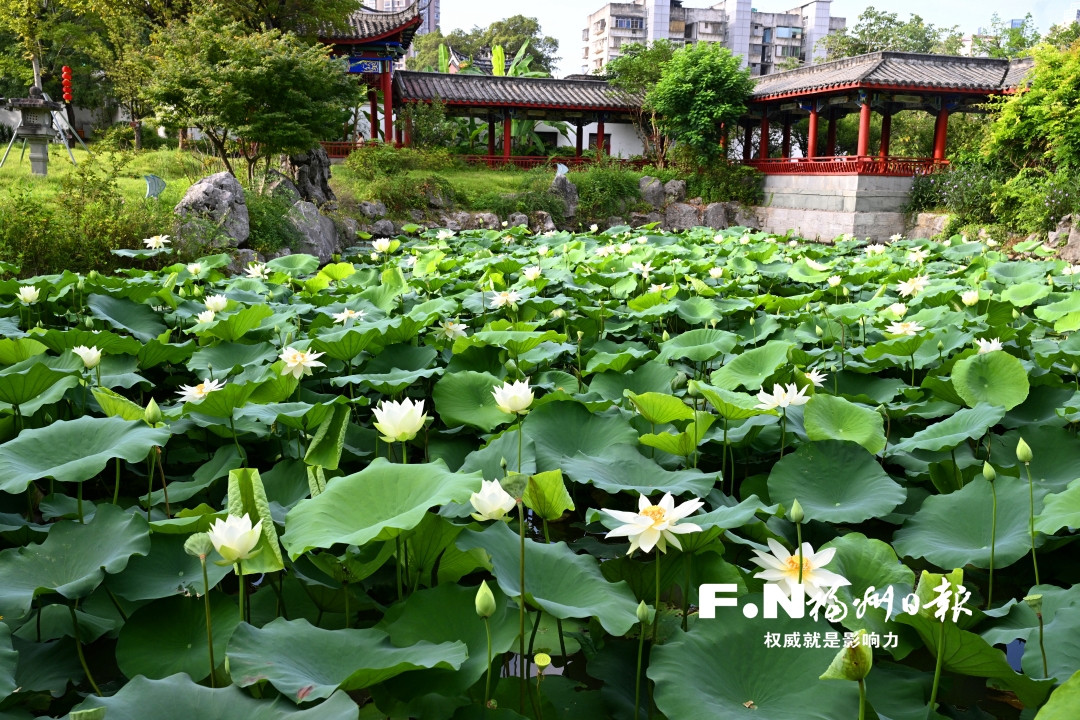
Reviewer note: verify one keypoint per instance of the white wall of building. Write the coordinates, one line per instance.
(624, 141)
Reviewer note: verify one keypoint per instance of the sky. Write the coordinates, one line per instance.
(564, 19)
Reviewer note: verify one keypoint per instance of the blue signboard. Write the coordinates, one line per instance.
(365, 66)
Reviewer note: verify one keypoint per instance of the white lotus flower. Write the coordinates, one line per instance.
(896, 237)
(716, 273)
(876, 249)
(658, 287)
(918, 256)
(257, 271)
(157, 242)
(815, 265)
(508, 240)
(544, 250)
(594, 227)
(781, 397)
(971, 297)
(381, 245)
(374, 256)
(986, 346)
(605, 250)
(655, 525)
(299, 362)
(514, 398)
(410, 261)
(744, 240)
(991, 243)
(194, 268)
(505, 223)
(718, 239)
(444, 235)
(399, 421)
(197, 393)
(793, 243)
(216, 303)
(835, 281)
(234, 538)
(625, 248)
(348, 314)
(947, 243)
(642, 268)
(640, 240)
(904, 328)
(782, 569)
(91, 356)
(912, 287)
(28, 294)
(816, 376)
(205, 316)
(532, 273)
(898, 309)
(510, 297)
(492, 502)
(452, 330)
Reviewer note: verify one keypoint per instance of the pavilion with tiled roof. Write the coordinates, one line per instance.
(882, 82)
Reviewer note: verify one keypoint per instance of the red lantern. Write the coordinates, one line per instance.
(65, 74)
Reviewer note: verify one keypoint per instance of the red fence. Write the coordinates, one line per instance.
(340, 150)
(850, 165)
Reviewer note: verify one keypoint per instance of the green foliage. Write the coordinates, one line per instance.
(431, 130)
(606, 189)
(512, 33)
(635, 72)
(530, 196)
(723, 181)
(702, 87)
(270, 226)
(373, 160)
(1006, 41)
(877, 30)
(405, 192)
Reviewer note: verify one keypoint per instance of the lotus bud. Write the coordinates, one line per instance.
(846, 292)
(1035, 603)
(89, 323)
(665, 337)
(92, 275)
(644, 614)
(797, 515)
(1023, 452)
(691, 387)
(851, 663)
(485, 601)
(152, 414)
(182, 292)
(558, 313)
(989, 472)
(502, 463)
(198, 545)
(1016, 314)
(940, 346)
(542, 660)
(751, 322)
(82, 285)
(580, 335)
(197, 291)
(818, 331)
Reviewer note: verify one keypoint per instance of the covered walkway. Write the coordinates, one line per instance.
(883, 82)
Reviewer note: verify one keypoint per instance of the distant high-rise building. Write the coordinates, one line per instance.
(429, 10)
(1072, 14)
(767, 42)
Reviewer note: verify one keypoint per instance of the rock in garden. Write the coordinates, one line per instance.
(680, 216)
(373, 210)
(675, 190)
(614, 221)
(715, 216)
(486, 221)
(241, 258)
(518, 219)
(319, 234)
(566, 191)
(383, 229)
(436, 199)
(543, 222)
(1071, 251)
(281, 186)
(311, 173)
(214, 211)
(744, 217)
(652, 191)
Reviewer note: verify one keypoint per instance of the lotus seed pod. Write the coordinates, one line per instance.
(542, 660)
(1023, 451)
(851, 663)
(989, 472)
(797, 515)
(198, 545)
(485, 601)
(1035, 603)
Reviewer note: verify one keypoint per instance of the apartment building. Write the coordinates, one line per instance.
(767, 42)
(1072, 14)
(969, 43)
(429, 10)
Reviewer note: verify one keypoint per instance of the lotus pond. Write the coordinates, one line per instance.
(370, 490)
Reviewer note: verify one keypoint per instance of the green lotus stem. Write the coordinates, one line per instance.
(686, 590)
(116, 486)
(209, 629)
(520, 418)
(1042, 647)
(404, 453)
(236, 442)
(862, 699)
(637, 676)
(397, 559)
(1031, 520)
(562, 641)
(240, 577)
(723, 463)
(78, 647)
(521, 611)
(164, 485)
(798, 535)
(783, 432)
(993, 544)
(487, 679)
(535, 628)
(937, 667)
(656, 623)
(78, 496)
(150, 485)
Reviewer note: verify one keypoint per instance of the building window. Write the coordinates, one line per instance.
(585, 34)
(788, 32)
(628, 23)
(607, 141)
(767, 37)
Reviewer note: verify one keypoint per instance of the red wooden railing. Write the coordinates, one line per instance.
(342, 149)
(850, 165)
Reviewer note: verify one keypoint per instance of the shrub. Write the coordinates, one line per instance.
(380, 159)
(605, 189)
(1034, 200)
(532, 195)
(403, 192)
(270, 226)
(966, 190)
(726, 182)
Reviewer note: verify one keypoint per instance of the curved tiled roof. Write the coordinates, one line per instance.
(492, 91)
(365, 24)
(898, 69)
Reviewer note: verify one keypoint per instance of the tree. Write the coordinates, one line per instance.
(701, 88)
(267, 91)
(120, 51)
(512, 34)
(1040, 125)
(635, 73)
(877, 30)
(1063, 36)
(1006, 41)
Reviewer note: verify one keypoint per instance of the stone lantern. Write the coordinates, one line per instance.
(36, 127)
